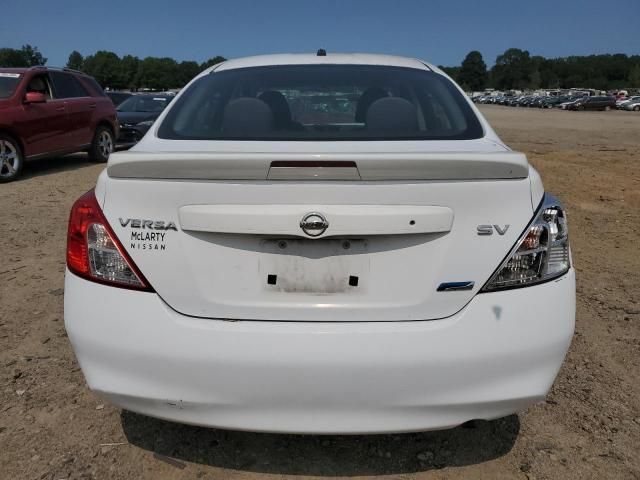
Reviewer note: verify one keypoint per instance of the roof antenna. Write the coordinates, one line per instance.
(321, 52)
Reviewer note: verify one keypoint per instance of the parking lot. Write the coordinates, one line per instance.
(53, 427)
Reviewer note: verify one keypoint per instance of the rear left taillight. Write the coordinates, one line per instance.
(93, 250)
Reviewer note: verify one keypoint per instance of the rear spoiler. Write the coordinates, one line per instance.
(319, 167)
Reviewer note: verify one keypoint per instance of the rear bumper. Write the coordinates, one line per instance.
(496, 356)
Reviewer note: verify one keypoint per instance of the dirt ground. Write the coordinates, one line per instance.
(53, 427)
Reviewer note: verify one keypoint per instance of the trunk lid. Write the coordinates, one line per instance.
(316, 237)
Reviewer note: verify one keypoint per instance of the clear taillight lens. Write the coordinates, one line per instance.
(541, 253)
(105, 260)
(93, 250)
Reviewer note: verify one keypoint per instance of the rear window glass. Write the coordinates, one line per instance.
(321, 102)
(66, 86)
(139, 103)
(93, 85)
(8, 84)
(118, 98)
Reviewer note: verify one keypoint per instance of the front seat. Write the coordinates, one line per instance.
(38, 84)
(369, 96)
(393, 115)
(247, 116)
(280, 109)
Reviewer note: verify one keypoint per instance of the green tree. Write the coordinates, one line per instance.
(548, 76)
(75, 60)
(186, 71)
(158, 73)
(32, 56)
(513, 70)
(27, 56)
(212, 61)
(516, 69)
(129, 67)
(453, 72)
(12, 58)
(106, 68)
(473, 72)
(634, 77)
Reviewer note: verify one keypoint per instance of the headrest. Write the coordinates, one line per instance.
(247, 116)
(369, 96)
(392, 114)
(279, 106)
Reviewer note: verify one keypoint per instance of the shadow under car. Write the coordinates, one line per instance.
(323, 455)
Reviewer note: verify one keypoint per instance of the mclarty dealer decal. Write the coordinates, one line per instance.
(147, 234)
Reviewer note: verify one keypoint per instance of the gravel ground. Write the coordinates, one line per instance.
(53, 427)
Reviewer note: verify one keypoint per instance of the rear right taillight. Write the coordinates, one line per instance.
(541, 254)
(93, 250)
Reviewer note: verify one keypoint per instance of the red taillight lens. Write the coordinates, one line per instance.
(93, 250)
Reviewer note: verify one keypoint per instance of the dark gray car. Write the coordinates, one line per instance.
(136, 115)
(594, 103)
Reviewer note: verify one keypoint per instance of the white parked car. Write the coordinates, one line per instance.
(633, 105)
(327, 244)
(623, 102)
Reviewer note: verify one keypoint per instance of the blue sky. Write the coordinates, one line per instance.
(442, 32)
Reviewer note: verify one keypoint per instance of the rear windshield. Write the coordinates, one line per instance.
(93, 85)
(139, 103)
(8, 84)
(321, 102)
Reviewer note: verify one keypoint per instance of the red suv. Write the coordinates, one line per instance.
(48, 112)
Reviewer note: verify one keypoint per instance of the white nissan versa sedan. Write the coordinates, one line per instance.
(320, 244)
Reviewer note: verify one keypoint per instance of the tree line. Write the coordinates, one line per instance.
(514, 69)
(130, 72)
(27, 56)
(517, 69)
(114, 72)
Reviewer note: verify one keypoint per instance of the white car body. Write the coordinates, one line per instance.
(414, 345)
(631, 105)
(622, 103)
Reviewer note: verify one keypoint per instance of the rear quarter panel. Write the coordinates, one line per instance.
(105, 113)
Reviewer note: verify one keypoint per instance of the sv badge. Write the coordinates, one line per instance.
(488, 229)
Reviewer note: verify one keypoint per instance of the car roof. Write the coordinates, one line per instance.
(43, 69)
(13, 70)
(329, 59)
